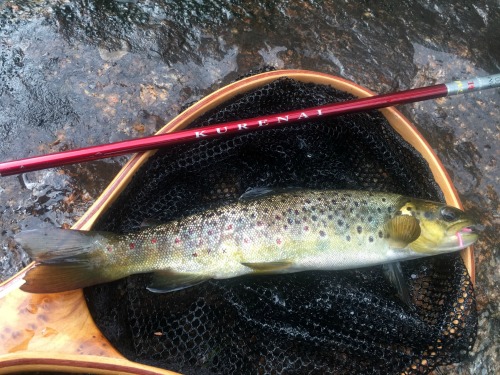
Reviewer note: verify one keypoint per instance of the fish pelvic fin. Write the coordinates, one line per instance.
(65, 259)
(269, 267)
(402, 230)
(170, 281)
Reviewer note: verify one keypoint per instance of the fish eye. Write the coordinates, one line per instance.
(448, 214)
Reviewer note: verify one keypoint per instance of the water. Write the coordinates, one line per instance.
(80, 73)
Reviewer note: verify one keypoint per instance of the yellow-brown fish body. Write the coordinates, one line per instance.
(274, 233)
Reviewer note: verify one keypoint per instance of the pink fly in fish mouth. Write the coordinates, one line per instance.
(465, 232)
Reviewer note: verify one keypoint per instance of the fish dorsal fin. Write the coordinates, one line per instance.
(170, 281)
(256, 193)
(402, 230)
(148, 223)
(269, 266)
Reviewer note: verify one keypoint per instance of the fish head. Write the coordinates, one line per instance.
(443, 228)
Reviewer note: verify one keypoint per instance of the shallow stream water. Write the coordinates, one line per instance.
(78, 73)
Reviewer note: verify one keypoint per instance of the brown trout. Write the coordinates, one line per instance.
(271, 233)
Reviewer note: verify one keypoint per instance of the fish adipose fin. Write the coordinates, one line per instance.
(269, 266)
(63, 260)
(169, 281)
(402, 230)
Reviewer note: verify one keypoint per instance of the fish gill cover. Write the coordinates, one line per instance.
(306, 323)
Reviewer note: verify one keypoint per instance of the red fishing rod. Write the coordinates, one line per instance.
(329, 110)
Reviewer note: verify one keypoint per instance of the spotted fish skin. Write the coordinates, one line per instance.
(275, 233)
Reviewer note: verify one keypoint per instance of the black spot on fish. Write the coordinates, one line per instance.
(290, 221)
(348, 238)
(380, 234)
(370, 219)
(334, 201)
(384, 200)
(314, 217)
(322, 233)
(330, 217)
(356, 203)
(379, 210)
(340, 223)
(359, 229)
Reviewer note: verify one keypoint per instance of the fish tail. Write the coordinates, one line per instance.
(63, 259)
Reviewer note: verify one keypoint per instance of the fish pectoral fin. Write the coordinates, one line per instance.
(402, 230)
(394, 273)
(170, 281)
(269, 266)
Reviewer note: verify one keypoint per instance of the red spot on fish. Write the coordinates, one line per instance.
(200, 242)
(246, 240)
(210, 232)
(229, 227)
(260, 223)
(195, 255)
(177, 240)
(277, 217)
(132, 246)
(154, 240)
(278, 241)
(109, 248)
(306, 228)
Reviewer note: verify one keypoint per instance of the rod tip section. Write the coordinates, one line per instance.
(473, 84)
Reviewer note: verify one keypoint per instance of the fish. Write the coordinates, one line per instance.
(266, 231)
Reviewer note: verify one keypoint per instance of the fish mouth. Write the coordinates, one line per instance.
(459, 239)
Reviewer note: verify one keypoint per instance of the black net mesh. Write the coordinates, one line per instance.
(306, 323)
